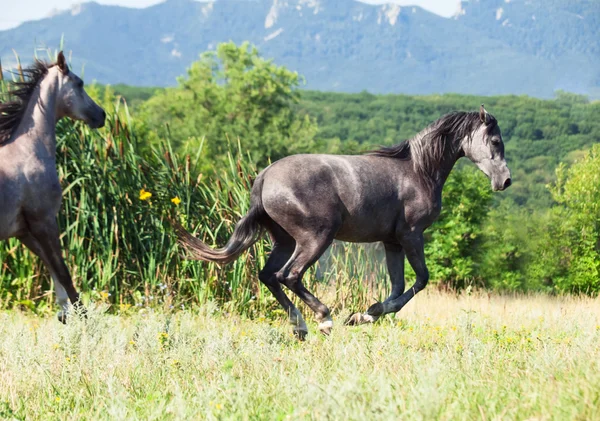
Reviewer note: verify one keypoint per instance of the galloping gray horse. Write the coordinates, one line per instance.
(389, 195)
(30, 192)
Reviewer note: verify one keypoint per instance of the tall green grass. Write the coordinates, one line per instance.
(121, 249)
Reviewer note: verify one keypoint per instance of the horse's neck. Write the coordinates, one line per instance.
(38, 124)
(445, 166)
(448, 165)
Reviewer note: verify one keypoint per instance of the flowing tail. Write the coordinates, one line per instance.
(247, 232)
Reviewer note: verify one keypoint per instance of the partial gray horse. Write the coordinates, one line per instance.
(389, 195)
(30, 192)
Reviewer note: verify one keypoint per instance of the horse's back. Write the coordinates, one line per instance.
(357, 194)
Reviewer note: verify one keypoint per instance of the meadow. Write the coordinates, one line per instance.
(445, 356)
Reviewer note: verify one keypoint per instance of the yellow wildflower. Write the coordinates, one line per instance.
(145, 195)
(176, 200)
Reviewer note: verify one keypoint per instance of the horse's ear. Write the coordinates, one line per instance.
(61, 62)
(484, 116)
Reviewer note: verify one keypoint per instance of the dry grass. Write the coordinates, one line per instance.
(444, 357)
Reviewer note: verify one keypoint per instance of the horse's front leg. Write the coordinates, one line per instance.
(413, 246)
(43, 240)
(394, 258)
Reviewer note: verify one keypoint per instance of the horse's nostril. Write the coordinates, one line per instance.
(103, 115)
(507, 183)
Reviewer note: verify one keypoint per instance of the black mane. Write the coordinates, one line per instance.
(11, 112)
(458, 124)
(428, 148)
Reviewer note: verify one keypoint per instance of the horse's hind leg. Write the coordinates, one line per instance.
(307, 252)
(282, 250)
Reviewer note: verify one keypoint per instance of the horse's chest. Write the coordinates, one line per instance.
(44, 194)
(11, 218)
(29, 191)
(423, 213)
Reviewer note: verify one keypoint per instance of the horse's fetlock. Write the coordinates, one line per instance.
(376, 310)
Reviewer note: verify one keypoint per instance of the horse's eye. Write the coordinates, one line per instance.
(495, 141)
(80, 84)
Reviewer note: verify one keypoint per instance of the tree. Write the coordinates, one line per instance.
(451, 243)
(577, 191)
(232, 95)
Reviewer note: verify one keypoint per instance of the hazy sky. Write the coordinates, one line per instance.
(15, 12)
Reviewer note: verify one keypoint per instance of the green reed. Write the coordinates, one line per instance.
(122, 250)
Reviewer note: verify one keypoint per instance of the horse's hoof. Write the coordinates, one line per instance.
(62, 317)
(325, 327)
(375, 310)
(300, 334)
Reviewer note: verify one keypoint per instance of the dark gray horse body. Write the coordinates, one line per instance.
(390, 195)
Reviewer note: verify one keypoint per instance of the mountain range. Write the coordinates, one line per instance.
(532, 47)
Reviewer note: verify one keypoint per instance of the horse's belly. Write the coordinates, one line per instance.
(366, 230)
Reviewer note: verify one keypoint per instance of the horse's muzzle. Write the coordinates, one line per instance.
(502, 186)
(99, 122)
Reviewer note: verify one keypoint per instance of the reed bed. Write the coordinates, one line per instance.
(121, 249)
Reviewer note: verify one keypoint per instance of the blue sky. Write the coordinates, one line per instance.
(23, 10)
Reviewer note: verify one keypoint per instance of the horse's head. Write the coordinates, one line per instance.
(486, 149)
(73, 101)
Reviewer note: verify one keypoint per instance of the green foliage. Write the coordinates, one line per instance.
(555, 249)
(232, 94)
(452, 240)
(577, 191)
(513, 254)
(120, 246)
(134, 95)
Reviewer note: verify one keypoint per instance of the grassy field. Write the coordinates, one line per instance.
(445, 357)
